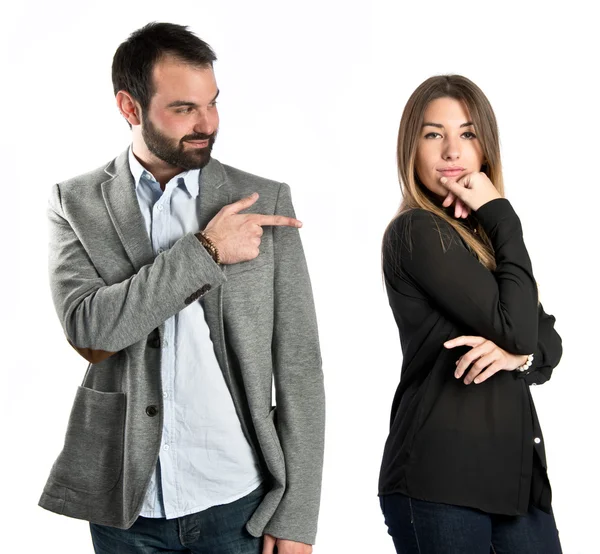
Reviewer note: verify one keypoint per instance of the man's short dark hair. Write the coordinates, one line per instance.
(135, 58)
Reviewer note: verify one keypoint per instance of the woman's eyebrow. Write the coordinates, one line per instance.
(440, 126)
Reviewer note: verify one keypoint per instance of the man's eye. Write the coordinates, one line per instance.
(183, 110)
(212, 104)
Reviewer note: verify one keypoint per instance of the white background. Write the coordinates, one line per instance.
(311, 94)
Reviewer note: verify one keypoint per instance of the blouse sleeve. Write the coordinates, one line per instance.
(547, 354)
(502, 305)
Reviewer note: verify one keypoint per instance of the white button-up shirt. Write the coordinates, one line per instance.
(204, 459)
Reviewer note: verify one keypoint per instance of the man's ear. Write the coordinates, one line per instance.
(129, 108)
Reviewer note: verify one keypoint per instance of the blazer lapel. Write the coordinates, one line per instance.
(124, 210)
(214, 194)
(214, 191)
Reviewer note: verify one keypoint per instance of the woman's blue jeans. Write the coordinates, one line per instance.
(420, 527)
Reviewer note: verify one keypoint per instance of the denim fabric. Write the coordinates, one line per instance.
(421, 527)
(217, 530)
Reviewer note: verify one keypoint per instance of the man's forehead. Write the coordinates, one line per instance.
(171, 75)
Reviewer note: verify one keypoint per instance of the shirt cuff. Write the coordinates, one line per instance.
(494, 211)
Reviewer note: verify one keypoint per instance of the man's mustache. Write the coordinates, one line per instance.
(199, 136)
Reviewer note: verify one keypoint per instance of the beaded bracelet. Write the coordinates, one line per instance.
(527, 364)
(210, 246)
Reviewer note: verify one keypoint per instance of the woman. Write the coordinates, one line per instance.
(464, 469)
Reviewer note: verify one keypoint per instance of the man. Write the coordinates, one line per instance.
(183, 282)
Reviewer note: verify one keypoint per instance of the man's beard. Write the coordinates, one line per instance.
(173, 152)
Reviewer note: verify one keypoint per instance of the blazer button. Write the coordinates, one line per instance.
(151, 410)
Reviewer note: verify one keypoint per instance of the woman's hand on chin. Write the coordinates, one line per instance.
(460, 210)
(473, 190)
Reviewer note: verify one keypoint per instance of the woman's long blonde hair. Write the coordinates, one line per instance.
(414, 193)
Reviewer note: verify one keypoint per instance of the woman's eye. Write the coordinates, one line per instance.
(432, 135)
(469, 135)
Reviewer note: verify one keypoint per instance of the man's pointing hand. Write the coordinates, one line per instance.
(237, 236)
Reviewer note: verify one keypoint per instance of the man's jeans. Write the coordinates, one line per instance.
(217, 530)
(420, 527)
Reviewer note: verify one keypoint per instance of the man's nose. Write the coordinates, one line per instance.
(205, 123)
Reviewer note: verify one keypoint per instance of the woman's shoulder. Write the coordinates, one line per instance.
(421, 231)
(417, 220)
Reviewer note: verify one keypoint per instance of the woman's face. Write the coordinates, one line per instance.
(447, 145)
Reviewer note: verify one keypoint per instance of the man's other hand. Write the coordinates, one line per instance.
(284, 546)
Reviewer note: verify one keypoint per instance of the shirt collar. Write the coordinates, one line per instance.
(189, 179)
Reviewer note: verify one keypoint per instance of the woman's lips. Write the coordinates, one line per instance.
(451, 172)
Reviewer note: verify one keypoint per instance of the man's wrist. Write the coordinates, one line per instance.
(209, 245)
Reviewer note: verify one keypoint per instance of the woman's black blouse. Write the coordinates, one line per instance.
(470, 445)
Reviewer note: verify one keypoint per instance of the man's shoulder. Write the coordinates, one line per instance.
(90, 179)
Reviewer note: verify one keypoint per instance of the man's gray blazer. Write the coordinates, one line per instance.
(112, 295)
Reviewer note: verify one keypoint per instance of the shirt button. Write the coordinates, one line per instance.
(165, 395)
(160, 250)
(166, 447)
(159, 207)
(537, 440)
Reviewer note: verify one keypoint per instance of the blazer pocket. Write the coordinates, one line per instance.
(92, 458)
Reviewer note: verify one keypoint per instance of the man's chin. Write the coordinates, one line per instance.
(196, 160)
